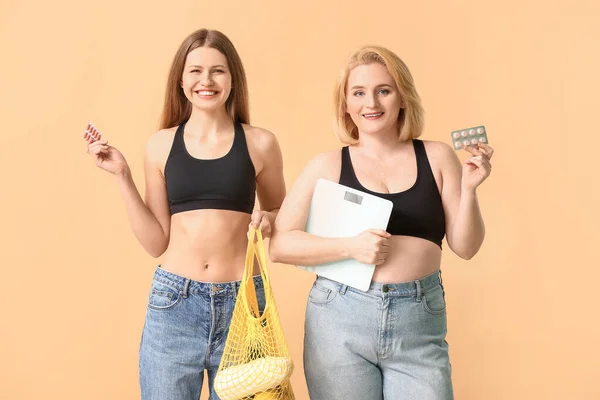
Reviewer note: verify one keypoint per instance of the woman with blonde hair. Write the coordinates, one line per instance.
(388, 342)
(202, 169)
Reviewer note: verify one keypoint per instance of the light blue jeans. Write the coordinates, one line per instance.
(184, 334)
(386, 343)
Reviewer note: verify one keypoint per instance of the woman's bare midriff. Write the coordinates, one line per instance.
(208, 245)
(410, 258)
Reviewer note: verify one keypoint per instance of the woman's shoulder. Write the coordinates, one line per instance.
(163, 135)
(159, 144)
(441, 155)
(438, 149)
(327, 159)
(325, 165)
(260, 138)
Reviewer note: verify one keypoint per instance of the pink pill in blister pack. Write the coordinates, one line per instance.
(469, 137)
(92, 132)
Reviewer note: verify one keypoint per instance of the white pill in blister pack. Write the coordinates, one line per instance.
(469, 137)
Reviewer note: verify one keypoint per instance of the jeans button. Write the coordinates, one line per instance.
(386, 289)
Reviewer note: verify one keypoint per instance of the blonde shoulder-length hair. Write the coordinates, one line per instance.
(410, 117)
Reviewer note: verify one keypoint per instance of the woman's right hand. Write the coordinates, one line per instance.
(370, 247)
(106, 156)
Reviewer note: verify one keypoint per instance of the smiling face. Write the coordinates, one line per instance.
(372, 99)
(206, 79)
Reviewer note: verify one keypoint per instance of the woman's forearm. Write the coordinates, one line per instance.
(468, 231)
(301, 248)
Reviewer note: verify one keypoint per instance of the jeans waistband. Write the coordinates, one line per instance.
(403, 289)
(190, 286)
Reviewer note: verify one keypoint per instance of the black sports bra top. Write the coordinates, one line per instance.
(417, 211)
(225, 183)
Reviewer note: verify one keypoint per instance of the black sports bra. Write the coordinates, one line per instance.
(226, 183)
(417, 211)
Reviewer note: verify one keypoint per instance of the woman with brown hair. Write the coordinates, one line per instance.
(390, 341)
(202, 171)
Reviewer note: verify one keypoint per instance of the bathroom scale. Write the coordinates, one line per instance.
(338, 211)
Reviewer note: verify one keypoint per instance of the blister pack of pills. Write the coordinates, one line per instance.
(469, 137)
(92, 132)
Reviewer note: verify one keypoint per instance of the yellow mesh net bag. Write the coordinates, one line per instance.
(256, 363)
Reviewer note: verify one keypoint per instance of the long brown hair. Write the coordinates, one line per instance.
(177, 107)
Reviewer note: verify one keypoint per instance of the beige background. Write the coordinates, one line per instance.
(523, 314)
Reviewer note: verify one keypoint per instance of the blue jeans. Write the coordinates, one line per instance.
(185, 332)
(386, 343)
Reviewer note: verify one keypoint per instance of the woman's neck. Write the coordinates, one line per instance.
(209, 123)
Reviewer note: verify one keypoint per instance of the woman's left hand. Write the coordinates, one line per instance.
(478, 167)
(261, 220)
